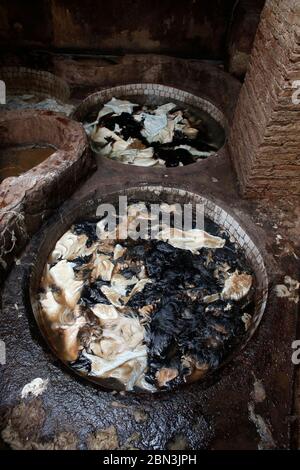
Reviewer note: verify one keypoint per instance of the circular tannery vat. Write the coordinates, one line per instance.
(22, 80)
(151, 194)
(29, 192)
(35, 89)
(153, 95)
(67, 399)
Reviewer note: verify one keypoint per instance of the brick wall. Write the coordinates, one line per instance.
(265, 137)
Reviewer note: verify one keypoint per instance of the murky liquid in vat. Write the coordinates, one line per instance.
(18, 159)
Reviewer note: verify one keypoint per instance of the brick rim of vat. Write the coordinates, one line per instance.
(63, 150)
(20, 80)
(25, 200)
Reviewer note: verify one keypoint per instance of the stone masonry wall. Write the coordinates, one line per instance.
(265, 135)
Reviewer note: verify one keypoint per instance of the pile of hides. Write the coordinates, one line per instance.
(145, 314)
(149, 136)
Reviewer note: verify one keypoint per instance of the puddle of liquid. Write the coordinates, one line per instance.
(18, 159)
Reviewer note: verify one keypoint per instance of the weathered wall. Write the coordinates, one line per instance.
(25, 23)
(265, 136)
(245, 20)
(194, 28)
